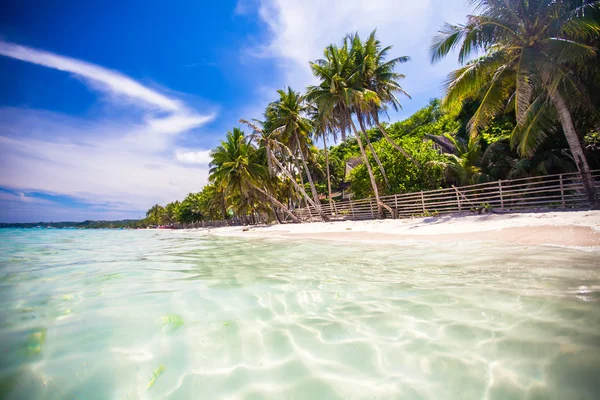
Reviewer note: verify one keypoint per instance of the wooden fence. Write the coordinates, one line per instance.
(563, 191)
(210, 224)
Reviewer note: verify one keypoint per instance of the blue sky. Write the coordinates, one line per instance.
(107, 108)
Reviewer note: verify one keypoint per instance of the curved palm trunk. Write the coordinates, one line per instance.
(308, 174)
(327, 162)
(371, 176)
(582, 165)
(375, 156)
(299, 173)
(297, 186)
(274, 200)
(396, 145)
(275, 212)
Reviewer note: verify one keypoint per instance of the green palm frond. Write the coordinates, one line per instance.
(565, 51)
(448, 39)
(470, 80)
(538, 121)
(492, 102)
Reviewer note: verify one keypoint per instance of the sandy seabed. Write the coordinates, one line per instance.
(565, 228)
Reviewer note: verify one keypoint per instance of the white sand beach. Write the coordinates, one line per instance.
(572, 228)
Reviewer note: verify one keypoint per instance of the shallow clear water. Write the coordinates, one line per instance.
(182, 315)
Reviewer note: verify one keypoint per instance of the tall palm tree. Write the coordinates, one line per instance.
(287, 117)
(532, 52)
(236, 170)
(379, 76)
(324, 125)
(337, 94)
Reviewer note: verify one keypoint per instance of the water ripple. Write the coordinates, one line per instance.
(178, 315)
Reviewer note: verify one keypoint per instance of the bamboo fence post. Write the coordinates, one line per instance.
(396, 202)
(371, 207)
(501, 198)
(422, 201)
(351, 208)
(562, 191)
(457, 198)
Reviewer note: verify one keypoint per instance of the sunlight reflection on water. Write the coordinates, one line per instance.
(155, 315)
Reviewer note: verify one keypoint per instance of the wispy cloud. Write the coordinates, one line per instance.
(110, 81)
(114, 84)
(22, 198)
(129, 160)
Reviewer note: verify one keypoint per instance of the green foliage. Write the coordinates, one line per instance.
(532, 58)
(404, 176)
(498, 129)
(429, 120)
(592, 141)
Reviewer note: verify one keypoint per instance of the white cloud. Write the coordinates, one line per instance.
(119, 170)
(110, 81)
(193, 157)
(113, 83)
(300, 30)
(22, 198)
(120, 161)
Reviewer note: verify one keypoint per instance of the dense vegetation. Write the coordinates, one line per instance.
(524, 103)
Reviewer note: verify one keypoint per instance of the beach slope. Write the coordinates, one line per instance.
(567, 228)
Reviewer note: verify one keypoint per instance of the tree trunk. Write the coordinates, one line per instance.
(275, 212)
(327, 162)
(364, 131)
(297, 186)
(308, 174)
(299, 172)
(582, 165)
(396, 145)
(274, 200)
(371, 176)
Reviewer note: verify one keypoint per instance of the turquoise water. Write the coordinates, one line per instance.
(185, 315)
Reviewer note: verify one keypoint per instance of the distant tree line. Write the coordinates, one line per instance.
(122, 224)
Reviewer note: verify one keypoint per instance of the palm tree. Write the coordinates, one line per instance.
(379, 76)
(532, 52)
(269, 139)
(155, 215)
(212, 202)
(337, 94)
(236, 170)
(324, 125)
(287, 117)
